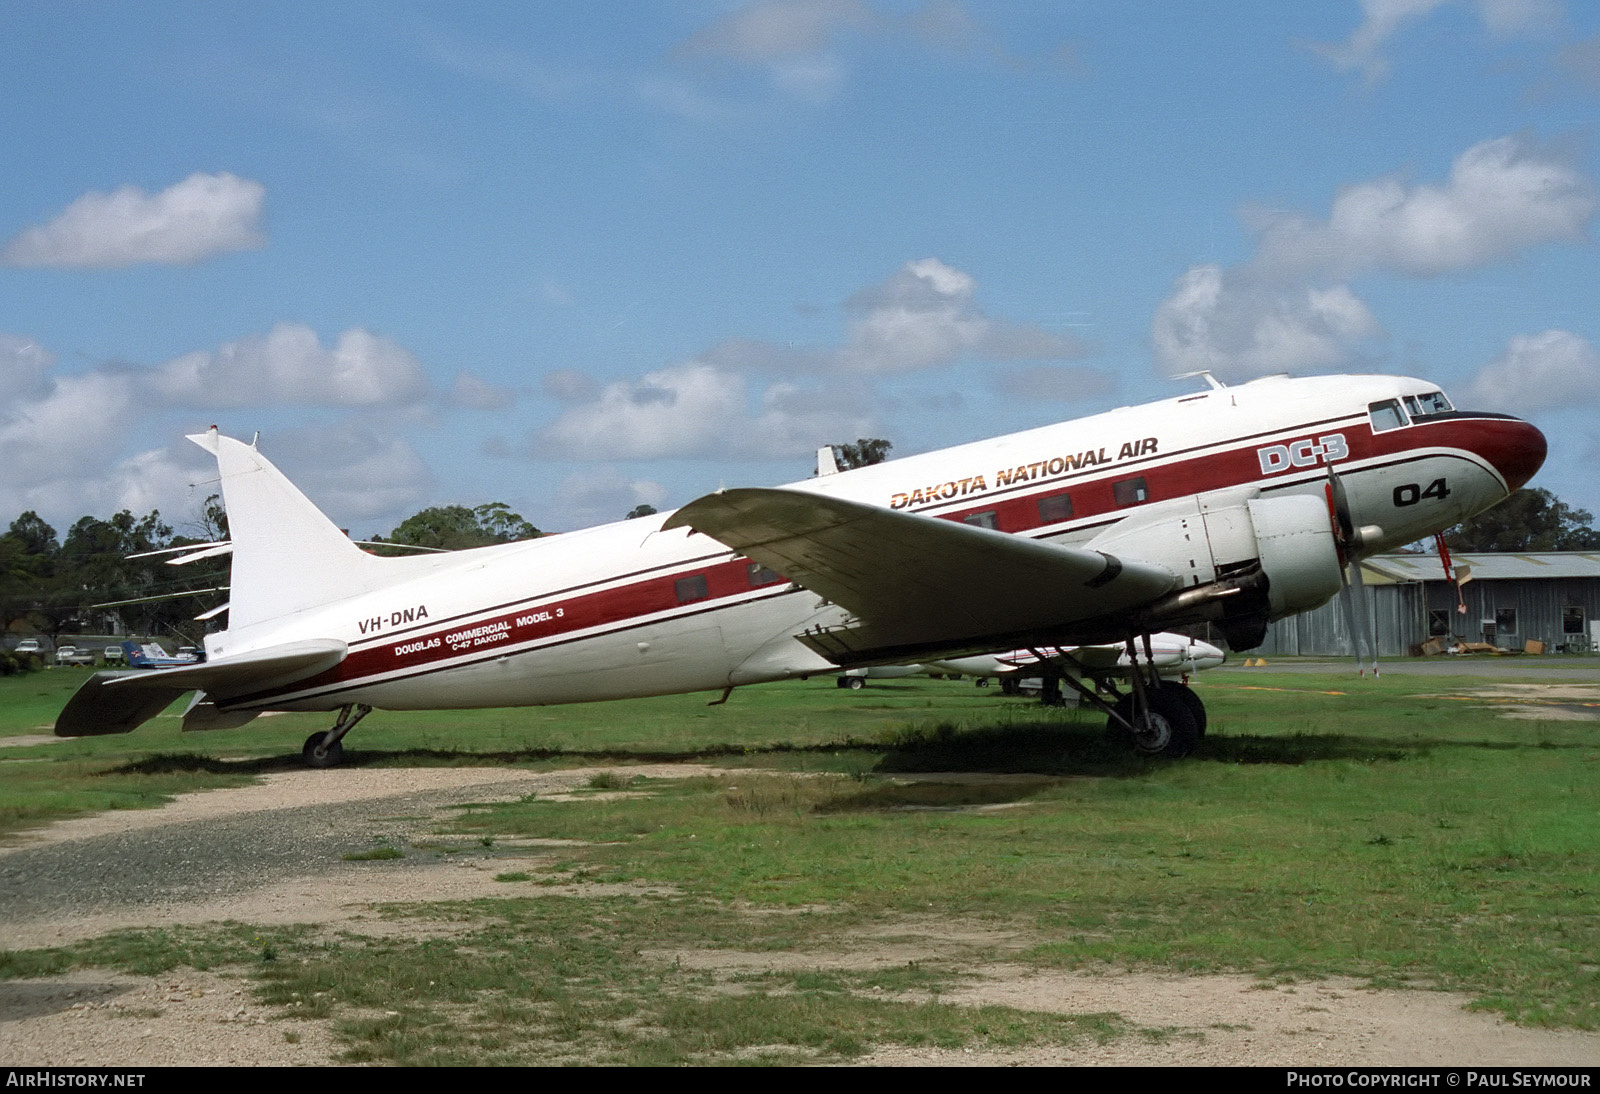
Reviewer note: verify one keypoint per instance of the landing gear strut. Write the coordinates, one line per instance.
(327, 749)
(1159, 717)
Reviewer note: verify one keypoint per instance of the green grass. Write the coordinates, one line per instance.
(1388, 830)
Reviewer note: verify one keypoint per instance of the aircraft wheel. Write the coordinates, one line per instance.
(1166, 729)
(981, 682)
(841, 681)
(1197, 709)
(1009, 686)
(856, 683)
(315, 755)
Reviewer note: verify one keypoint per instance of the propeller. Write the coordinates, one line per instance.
(1348, 538)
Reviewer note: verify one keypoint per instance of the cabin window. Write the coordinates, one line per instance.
(760, 575)
(1386, 415)
(1423, 406)
(1130, 491)
(691, 588)
(1054, 510)
(1505, 620)
(985, 519)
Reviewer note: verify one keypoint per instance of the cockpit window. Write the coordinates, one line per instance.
(1386, 415)
(1421, 406)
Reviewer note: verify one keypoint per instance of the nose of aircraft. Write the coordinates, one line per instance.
(1205, 655)
(1514, 447)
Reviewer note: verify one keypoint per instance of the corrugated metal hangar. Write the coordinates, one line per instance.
(1509, 599)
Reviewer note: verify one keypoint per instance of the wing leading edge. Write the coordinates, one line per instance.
(918, 583)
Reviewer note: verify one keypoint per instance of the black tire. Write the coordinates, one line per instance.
(841, 682)
(856, 683)
(981, 682)
(1010, 686)
(315, 755)
(1167, 729)
(1197, 709)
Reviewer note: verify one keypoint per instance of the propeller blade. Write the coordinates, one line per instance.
(1362, 633)
(1352, 589)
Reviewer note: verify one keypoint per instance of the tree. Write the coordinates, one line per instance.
(1529, 520)
(455, 527)
(865, 452)
(643, 509)
(94, 568)
(28, 553)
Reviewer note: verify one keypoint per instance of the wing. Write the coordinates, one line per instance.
(918, 584)
(119, 702)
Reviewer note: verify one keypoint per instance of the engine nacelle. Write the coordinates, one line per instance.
(1294, 541)
(1244, 560)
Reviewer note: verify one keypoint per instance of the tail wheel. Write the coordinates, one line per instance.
(317, 754)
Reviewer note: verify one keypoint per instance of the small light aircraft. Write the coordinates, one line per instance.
(1233, 505)
(1170, 655)
(151, 656)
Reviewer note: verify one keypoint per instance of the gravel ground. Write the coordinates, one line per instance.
(271, 853)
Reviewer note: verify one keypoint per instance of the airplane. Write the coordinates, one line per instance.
(152, 656)
(1171, 655)
(1235, 506)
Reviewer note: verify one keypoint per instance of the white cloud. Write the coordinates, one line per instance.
(289, 366)
(683, 410)
(1536, 372)
(24, 364)
(475, 394)
(1212, 321)
(798, 43)
(926, 314)
(74, 426)
(697, 409)
(604, 494)
(1287, 308)
(352, 471)
(196, 219)
(62, 440)
(923, 316)
(774, 31)
(1502, 197)
(1383, 19)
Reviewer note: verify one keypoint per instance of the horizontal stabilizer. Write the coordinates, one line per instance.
(95, 709)
(119, 702)
(909, 577)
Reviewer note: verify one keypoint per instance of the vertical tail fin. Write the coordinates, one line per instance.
(287, 556)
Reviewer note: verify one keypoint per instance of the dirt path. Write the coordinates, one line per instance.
(271, 853)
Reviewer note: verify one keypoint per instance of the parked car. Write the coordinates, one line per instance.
(113, 653)
(72, 655)
(29, 645)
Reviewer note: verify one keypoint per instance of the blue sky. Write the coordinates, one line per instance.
(577, 257)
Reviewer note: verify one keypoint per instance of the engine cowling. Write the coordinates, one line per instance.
(1245, 560)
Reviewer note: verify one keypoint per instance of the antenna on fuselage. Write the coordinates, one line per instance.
(1216, 384)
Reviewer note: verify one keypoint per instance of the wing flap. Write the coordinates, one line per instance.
(920, 581)
(120, 702)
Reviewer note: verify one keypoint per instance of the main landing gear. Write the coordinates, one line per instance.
(1158, 717)
(327, 749)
